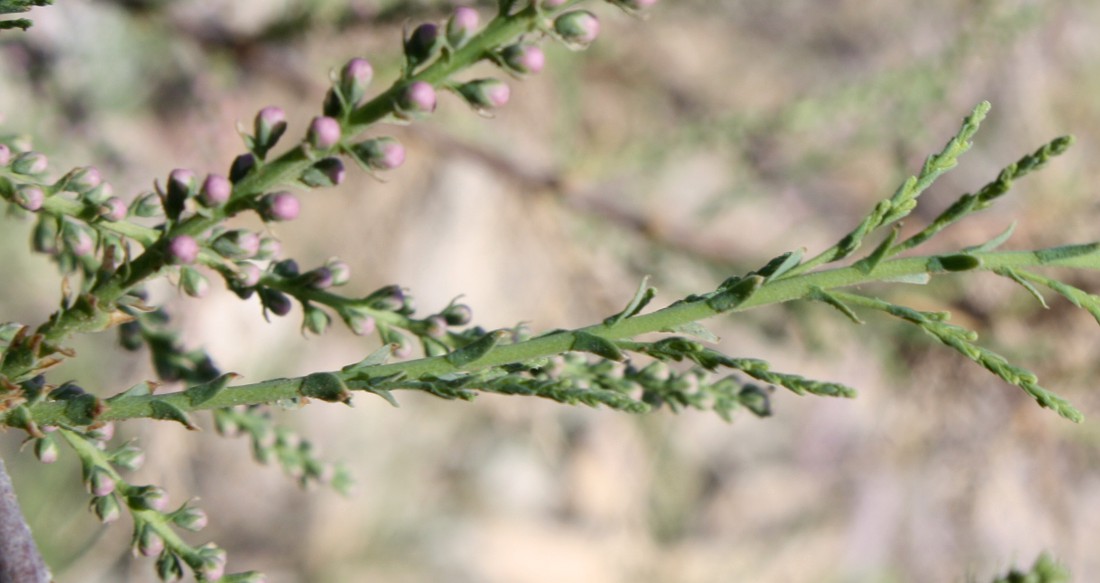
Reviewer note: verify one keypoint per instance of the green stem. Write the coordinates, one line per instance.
(1076, 256)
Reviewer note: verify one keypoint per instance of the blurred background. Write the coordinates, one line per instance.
(689, 145)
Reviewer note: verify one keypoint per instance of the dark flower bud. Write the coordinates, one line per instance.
(462, 25)
(287, 268)
(66, 391)
(523, 58)
(354, 79)
(106, 508)
(421, 44)
(241, 167)
(340, 270)
(390, 298)
(326, 172)
(181, 186)
(275, 301)
(45, 235)
(416, 98)
(147, 205)
(45, 449)
(279, 206)
(81, 180)
(29, 197)
(485, 94)
(458, 314)
(129, 336)
(237, 244)
(193, 283)
(215, 191)
(320, 278)
(324, 133)
(29, 163)
(77, 237)
(756, 399)
(577, 29)
(182, 250)
(269, 125)
(112, 209)
(380, 153)
(190, 518)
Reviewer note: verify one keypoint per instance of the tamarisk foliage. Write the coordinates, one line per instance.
(110, 247)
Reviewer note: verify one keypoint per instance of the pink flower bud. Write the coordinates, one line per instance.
(418, 97)
(324, 133)
(461, 26)
(524, 58)
(183, 250)
(279, 206)
(29, 197)
(215, 191)
(578, 28)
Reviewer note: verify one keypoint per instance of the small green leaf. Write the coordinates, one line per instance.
(820, 295)
(380, 356)
(778, 266)
(169, 412)
(325, 386)
(728, 299)
(200, 394)
(993, 243)
(1016, 277)
(642, 297)
(598, 345)
(871, 261)
(476, 349)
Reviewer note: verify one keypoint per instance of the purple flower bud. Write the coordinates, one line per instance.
(380, 153)
(523, 58)
(45, 449)
(287, 268)
(5, 154)
(29, 197)
(237, 244)
(181, 186)
(275, 301)
(29, 163)
(189, 518)
(112, 209)
(578, 28)
(149, 543)
(183, 250)
(193, 283)
(99, 482)
(269, 125)
(421, 44)
(106, 508)
(279, 206)
(435, 327)
(485, 94)
(77, 237)
(241, 167)
(324, 133)
(326, 172)
(320, 278)
(340, 270)
(354, 79)
(461, 26)
(418, 97)
(81, 180)
(215, 191)
(248, 274)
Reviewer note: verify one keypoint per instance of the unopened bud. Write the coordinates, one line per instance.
(340, 270)
(169, 567)
(269, 125)
(523, 58)
(485, 94)
(193, 283)
(147, 205)
(45, 449)
(29, 163)
(77, 237)
(461, 26)
(106, 508)
(99, 482)
(380, 153)
(81, 180)
(237, 244)
(112, 209)
(354, 79)
(248, 274)
(149, 543)
(326, 172)
(324, 133)
(181, 186)
(128, 457)
(458, 314)
(421, 44)
(212, 561)
(275, 301)
(148, 498)
(320, 278)
(103, 432)
(182, 250)
(416, 98)
(190, 518)
(279, 206)
(316, 320)
(29, 196)
(215, 191)
(241, 167)
(578, 28)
